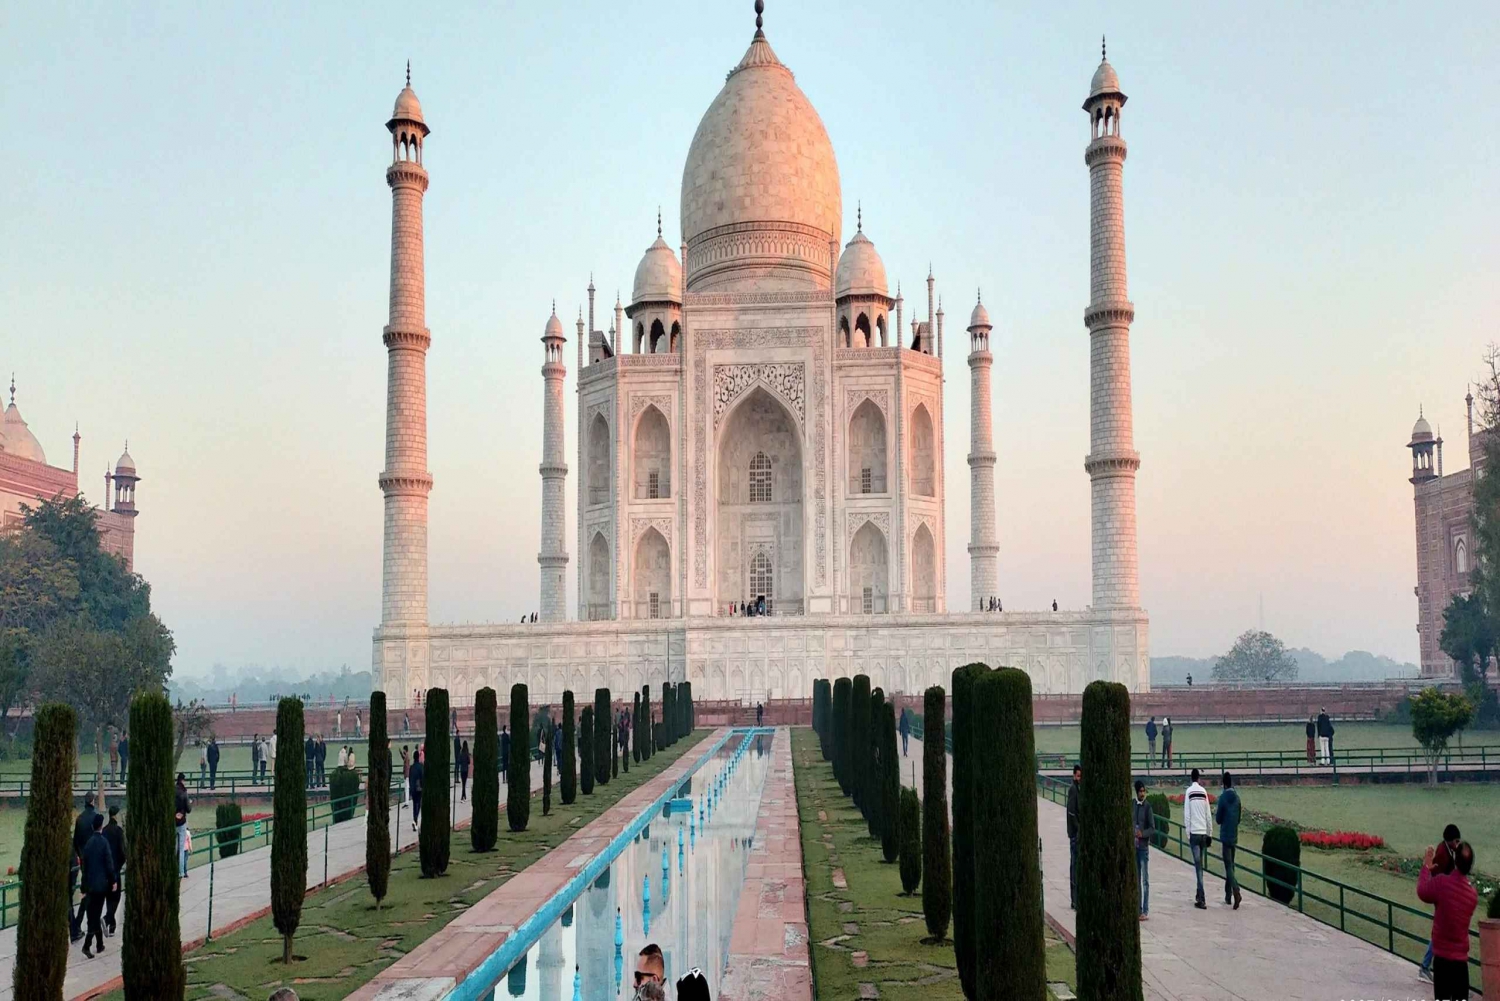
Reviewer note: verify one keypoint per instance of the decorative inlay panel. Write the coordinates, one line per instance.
(854, 397)
(857, 519)
(784, 381)
(638, 528)
(641, 401)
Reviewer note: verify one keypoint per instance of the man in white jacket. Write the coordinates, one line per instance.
(1198, 821)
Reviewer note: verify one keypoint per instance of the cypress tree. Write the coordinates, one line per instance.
(857, 738)
(625, 746)
(838, 732)
(151, 946)
(648, 746)
(1109, 897)
(289, 833)
(822, 697)
(1008, 883)
(569, 753)
(668, 694)
(484, 827)
(46, 854)
(963, 822)
(586, 741)
(518, 796)
(890, 790)
(911, 841)
(635, 727)
(688, 713)
(547, 739)
(378, 803)
(937, 865)
(614, 749)
(873, 792)
(437, 786)
(602, 731)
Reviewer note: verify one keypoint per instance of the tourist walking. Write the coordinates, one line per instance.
(1312, 740)
(1442, 864)
(83, 830)
(213, 761)
(100, 877)
(760, 713)
(505, 754)
(1150, 741)
(1453, 899)
(1325, 738)
(463, 771)
(256, 771)
(1166, 742)
(557, 747)
(1227, 816)
(359, 729)
(414, 788)
(114, 757)
(1073, 837)
(905, 729)
(457, 755)
(405, 761)
(1143, 820)
(184, 836)
(1196, 819)
(115, 835)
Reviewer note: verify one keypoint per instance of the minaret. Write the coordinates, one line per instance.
(76, 439)
(983, 576)
(1112, 460)
(406, 481)
(553, 556)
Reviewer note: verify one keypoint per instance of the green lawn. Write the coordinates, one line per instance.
(346, 941)
(1226, 737)
(12, 827)
(887, 926)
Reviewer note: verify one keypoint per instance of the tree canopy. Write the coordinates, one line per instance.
(1435, 718)
(1256, 656)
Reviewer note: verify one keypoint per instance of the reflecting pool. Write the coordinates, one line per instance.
(676, 883)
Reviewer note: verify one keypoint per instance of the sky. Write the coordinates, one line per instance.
(194, 255)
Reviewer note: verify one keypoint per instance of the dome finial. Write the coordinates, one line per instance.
(1103, 51)
(658, 222)
(13, 388)
(760, 8)
(978, 296)
(859, 217)
(408, 72)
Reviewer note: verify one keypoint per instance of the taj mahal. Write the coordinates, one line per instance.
(760, 490)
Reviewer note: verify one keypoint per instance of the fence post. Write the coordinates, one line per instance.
(326, 829)
(1390, 925)
(208, 936)
(1341, 907)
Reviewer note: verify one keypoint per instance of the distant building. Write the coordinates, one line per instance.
(1444, 515)
(26, 478)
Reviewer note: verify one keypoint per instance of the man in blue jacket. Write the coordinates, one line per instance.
(1150, 741)
(100, 878)
(1228, 817)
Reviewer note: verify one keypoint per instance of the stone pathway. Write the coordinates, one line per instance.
(241, 893)
(768, 947)
(1263, 950)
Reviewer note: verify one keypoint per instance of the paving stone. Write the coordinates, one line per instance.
(861, 959)
(839, 881)
(868, 991)
(850, 928)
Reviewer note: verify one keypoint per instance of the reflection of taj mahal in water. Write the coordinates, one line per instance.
(762, 423)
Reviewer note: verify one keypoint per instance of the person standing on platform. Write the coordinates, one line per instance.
(905, 729)
(100, 878)
(1143, 820)
(270, 755)
(124, 756)
(115, 835)
(338, 724)
(213, 761)
(463, 772)
(320, 759)
(457, 755)
(1196, 821)
(114, 758)
(1312, 740)
(1166, 742)
(1150, 741)
(1453, 899)
(1227, 815)
(505, 755)
(1073, 793)
(310, 760)
(760, 713)
(414, 788)
(406, 722)
(202, 767)
(359, 729)
(1325, 738)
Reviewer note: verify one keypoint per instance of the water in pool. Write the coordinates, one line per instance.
(677, 884)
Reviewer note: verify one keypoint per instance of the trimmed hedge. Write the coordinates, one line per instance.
(378, 803)
(518, 777)
(227, 820)
(1281, 844)
(1161, 806)
(46, 854)
(964, 947)
(937, 862)
(857, 739)
(484, 828)
(648, 744)
(343, 793)
(1007, 877)
(586, 744)
(635, 727)
(822, 709)
(891, 835)
(569, 753)
(1109, 897)
(602, 730)
(838, 730)
(437, 784)
(874, 777)
(911, 841)
(289, 833)
(151, 946)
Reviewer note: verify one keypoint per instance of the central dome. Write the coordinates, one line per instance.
(760, 190)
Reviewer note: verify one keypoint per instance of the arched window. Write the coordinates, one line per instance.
(640, 337)
(880, 328)
(760, 479)
(658, 337)
(862, 328)
(867, 450)
(1461, 555)
(923, 478)
(762, 582)
(676, 333)
(601, 573)
(653, 576)
(653, 456)
(844, 331)
(598, 460)
(923, 571)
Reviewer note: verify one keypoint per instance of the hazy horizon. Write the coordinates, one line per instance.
(197, 258)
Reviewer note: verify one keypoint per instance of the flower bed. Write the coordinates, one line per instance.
(1351, 840)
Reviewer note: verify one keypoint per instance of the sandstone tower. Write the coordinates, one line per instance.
(1112, 459)
(983, 578)
(405, 481)
(554, 555)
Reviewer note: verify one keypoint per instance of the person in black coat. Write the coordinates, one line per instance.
(463, 771)
(115, 835)
(83, 829)
(310, 760)
(100, 879)
(320, 759)
(504, 754)
(414, 777)
(213, 761)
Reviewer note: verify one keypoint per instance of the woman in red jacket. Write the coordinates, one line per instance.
(1453, 899)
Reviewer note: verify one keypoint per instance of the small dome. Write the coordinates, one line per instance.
(1106, 80)
(1421, 431)
(554, 326)
(408, 107)
(980, 317)
(125, 465)
(861, 271)
(659, 275)
(16, 438)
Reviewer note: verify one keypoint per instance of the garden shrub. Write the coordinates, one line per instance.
(289, 834)
(889, 781)
(46, 853)
(857, 739)
(484, 827)
(227, 820)
(569, 778)
(911, 841)
(838, 731)
(1281, 844)
(602, 731)
(586, 744)
(937, 863)
(1161, 806)
(518, 775)
(437, 787)
(378, 803)
(343, 793)
(963, 824)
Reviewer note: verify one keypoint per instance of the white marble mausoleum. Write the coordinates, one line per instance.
(762, 430)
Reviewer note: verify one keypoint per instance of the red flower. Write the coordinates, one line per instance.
(1352, 840)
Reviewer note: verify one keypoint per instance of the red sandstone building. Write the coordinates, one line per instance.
(1444, 516)
(26, 478)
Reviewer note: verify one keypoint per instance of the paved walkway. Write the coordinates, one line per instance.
(768, 947)
(241, 893)
(1263, 950)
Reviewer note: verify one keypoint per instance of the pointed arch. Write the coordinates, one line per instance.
(880, 328)
(923, 571)
(760, 506)
(658, 337)
(653, 576)
(844, 340)
(676, 344)
(869, 570)
(862, 331)
(599, 449)
(867, 450)
(601, 572)
(640, 337)
(652, 452)
(923, 453)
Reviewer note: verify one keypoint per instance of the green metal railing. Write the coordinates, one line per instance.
(1397, 928)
